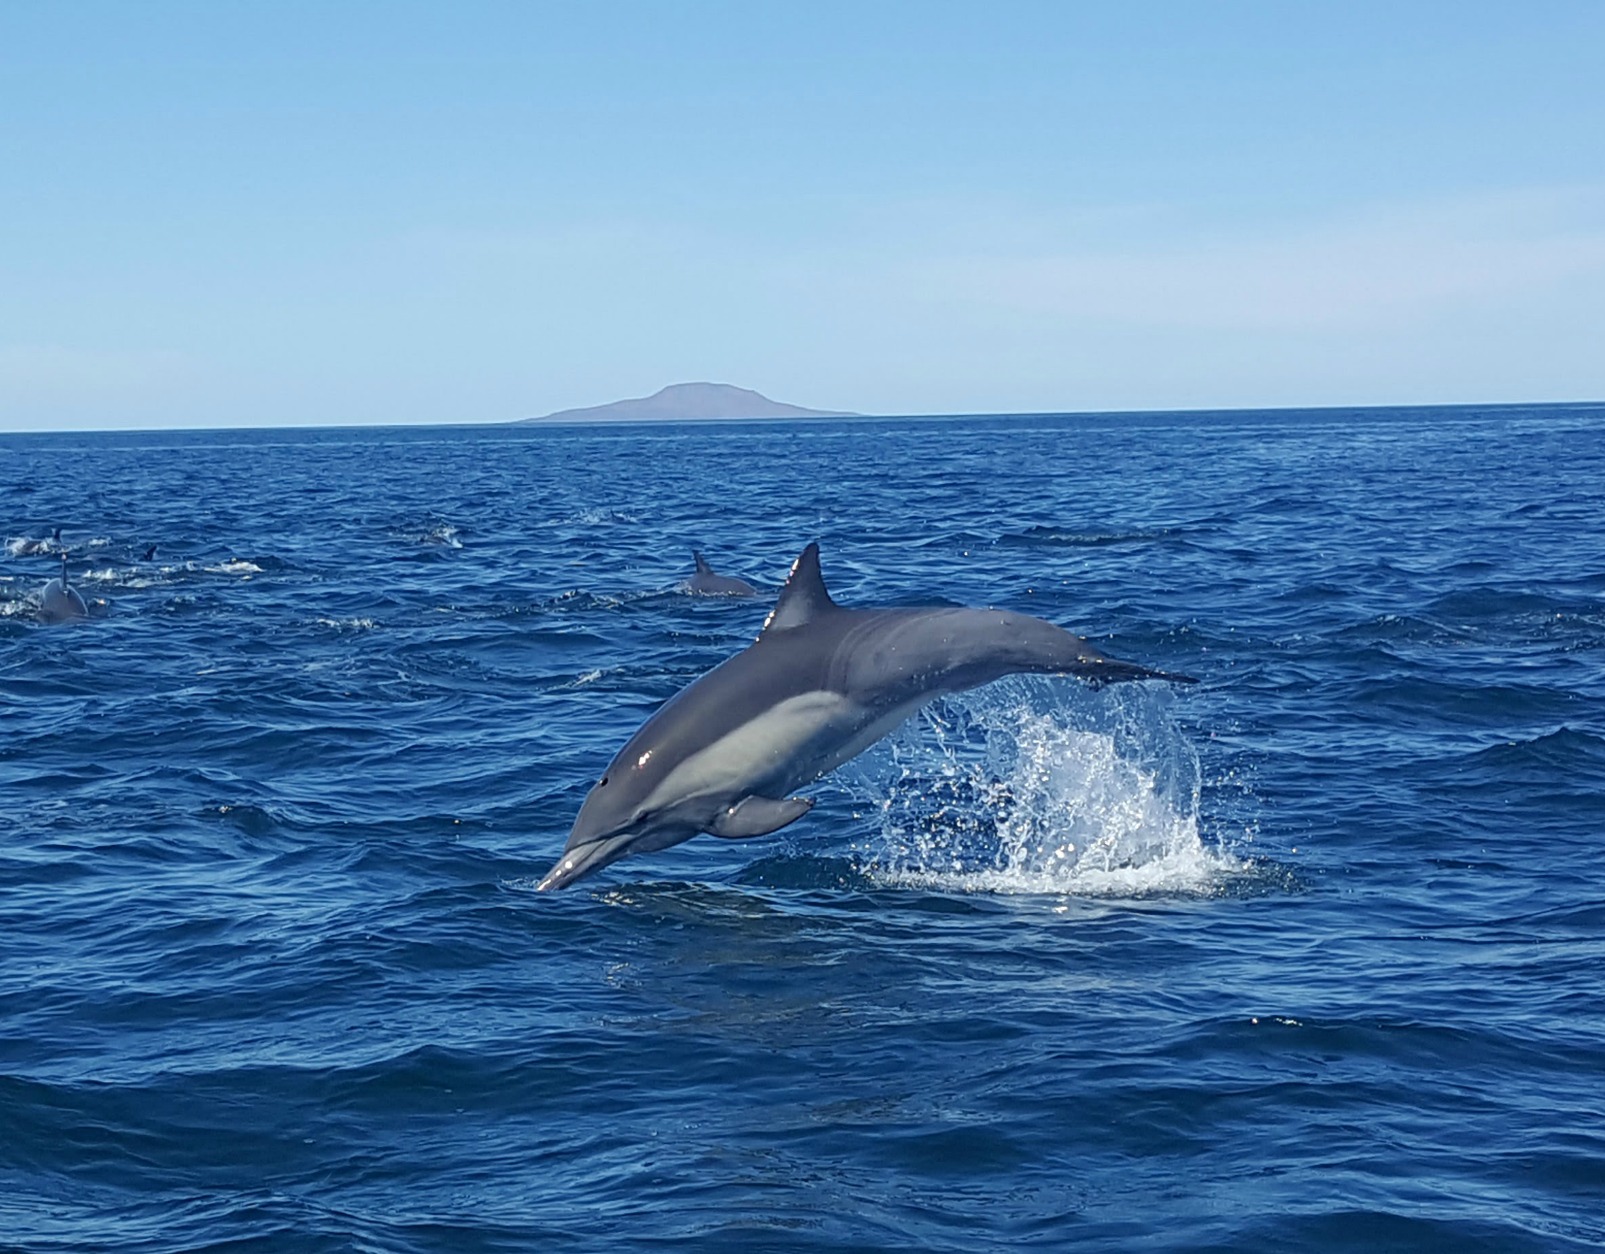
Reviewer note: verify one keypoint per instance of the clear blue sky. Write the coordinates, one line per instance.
(231, 213)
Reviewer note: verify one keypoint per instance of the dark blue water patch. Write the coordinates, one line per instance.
(1565, 753)
(275, 975)
(803, 873)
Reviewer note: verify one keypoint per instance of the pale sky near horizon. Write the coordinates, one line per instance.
(339, 212)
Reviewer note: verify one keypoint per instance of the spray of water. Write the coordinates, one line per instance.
(1032, 786)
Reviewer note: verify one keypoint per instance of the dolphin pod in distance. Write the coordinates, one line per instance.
(821, 684)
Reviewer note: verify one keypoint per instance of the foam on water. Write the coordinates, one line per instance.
(595, 517)
(26, 546)
(1033, 787)
(442, 534)
(347, 624)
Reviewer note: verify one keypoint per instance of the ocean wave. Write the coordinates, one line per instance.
(1564, 753)
(1252, 957)
(1076, 538)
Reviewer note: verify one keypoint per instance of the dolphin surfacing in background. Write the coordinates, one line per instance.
(23, 547)
(707, 582)
(818, 687)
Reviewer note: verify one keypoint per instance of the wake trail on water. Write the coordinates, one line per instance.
(1031, 787)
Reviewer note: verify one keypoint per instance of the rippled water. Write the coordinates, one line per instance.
(1308, 956)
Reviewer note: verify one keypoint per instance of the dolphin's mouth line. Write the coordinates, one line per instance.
(604, 851)
(591, 856)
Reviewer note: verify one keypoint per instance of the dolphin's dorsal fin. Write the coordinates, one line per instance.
(702, 563)
(804, 597)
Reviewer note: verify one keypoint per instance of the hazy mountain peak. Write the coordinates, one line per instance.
(682, 401)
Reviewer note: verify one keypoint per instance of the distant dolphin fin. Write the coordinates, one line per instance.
(804, 597)
(702, 563)
(758, 816)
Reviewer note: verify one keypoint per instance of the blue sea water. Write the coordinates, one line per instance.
(1310, 956)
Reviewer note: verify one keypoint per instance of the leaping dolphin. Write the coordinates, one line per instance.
(819, 686)
(708, 583)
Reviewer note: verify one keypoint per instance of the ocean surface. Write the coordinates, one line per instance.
(1308, 956)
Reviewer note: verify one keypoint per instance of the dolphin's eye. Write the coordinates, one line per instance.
(602, 782)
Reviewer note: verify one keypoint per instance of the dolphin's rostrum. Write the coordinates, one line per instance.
(818, 687)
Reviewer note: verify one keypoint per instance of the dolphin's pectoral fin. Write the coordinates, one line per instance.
(758, 816)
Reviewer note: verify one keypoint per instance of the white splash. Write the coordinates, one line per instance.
(598, 518)
(24, 546)
(1033, 786)
(444, 535)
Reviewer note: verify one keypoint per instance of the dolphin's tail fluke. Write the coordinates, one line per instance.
(1099, 668)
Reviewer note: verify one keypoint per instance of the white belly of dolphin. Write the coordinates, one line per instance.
(788, 745)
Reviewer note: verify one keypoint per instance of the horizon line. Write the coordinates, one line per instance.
(826, 417)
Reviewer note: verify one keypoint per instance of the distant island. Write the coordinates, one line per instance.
(685, 401)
